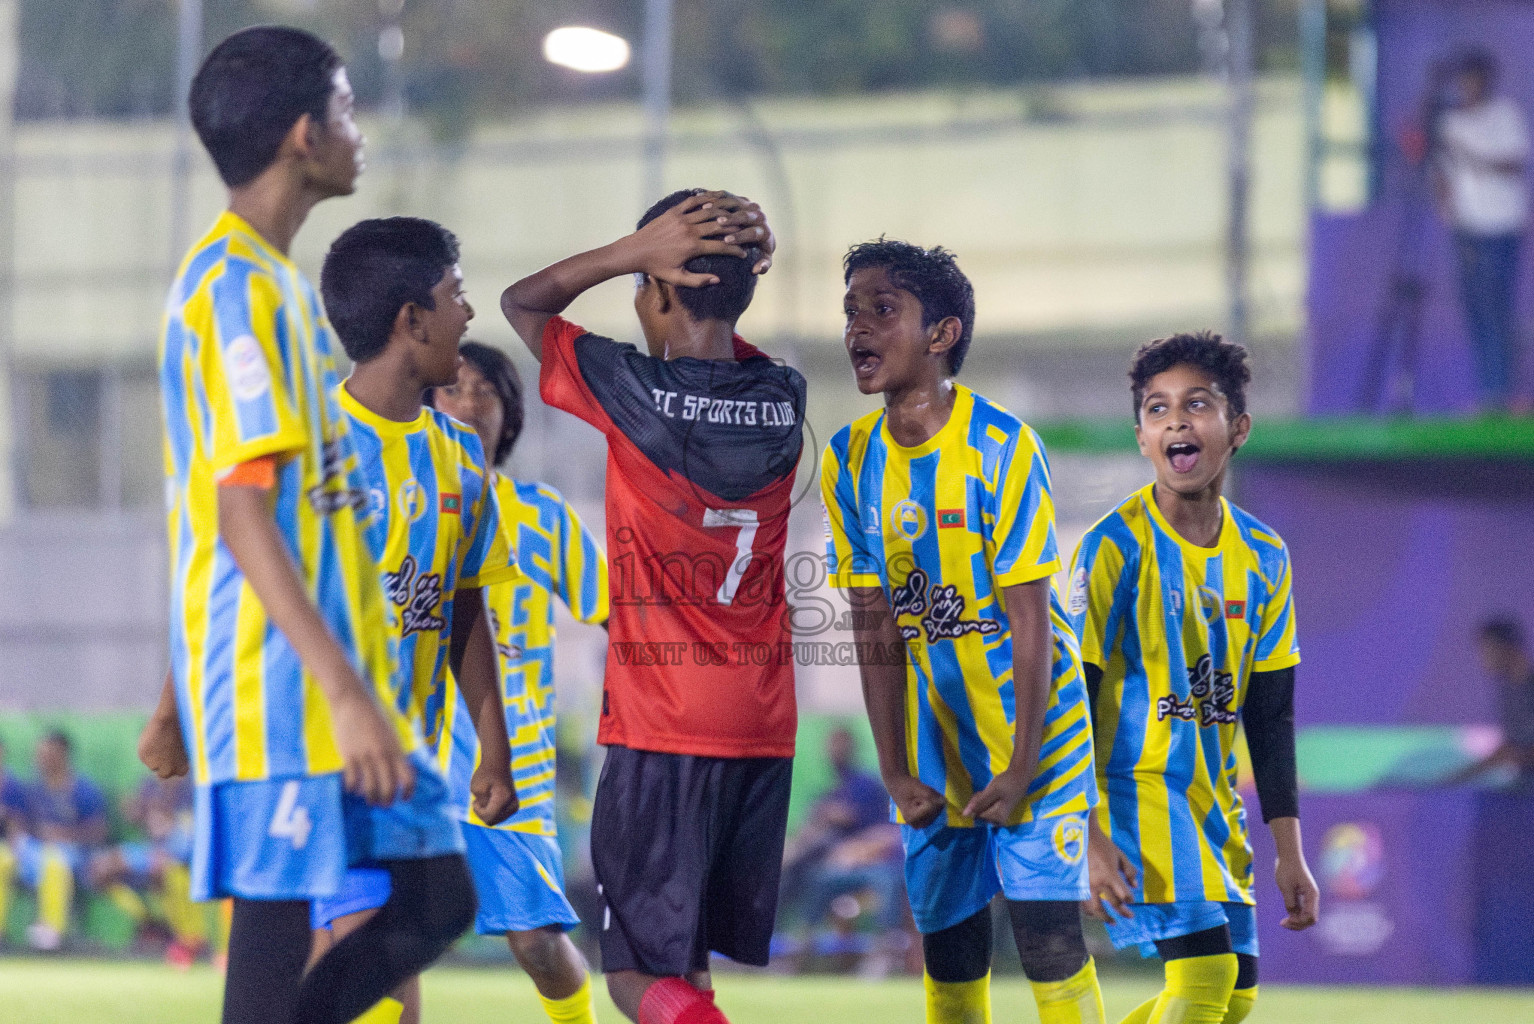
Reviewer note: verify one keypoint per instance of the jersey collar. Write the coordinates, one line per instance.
(383, 427)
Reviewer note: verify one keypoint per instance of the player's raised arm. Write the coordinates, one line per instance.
(705, 224)
(374, 765)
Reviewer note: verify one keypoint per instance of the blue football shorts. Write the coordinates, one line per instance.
(294, 838)
(951, 874)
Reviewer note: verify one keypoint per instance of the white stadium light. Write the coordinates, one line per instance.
(585, 49)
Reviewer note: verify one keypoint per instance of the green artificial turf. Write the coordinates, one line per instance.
(87, 992)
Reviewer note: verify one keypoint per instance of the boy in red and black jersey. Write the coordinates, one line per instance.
(698, 706)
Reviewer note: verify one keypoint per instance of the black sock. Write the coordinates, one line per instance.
(432, 903)
(268, 947)
(1049, 939)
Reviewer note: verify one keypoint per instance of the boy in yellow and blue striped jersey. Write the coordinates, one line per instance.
(395, 295)
(281, 692)
(1183, 605)
(516, 865)
(940, 525)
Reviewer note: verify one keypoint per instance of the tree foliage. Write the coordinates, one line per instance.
(469, 58)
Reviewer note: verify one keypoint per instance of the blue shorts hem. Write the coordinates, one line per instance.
(1153, 922)
(519, 879)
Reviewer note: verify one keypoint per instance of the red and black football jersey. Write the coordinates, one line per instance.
(701, 456)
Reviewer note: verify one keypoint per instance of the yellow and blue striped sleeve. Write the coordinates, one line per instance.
(1098, 596)
(581, 574)
(485, 556)
(1024, 534)
(253, 409)
(1278, 644)
(848, 561)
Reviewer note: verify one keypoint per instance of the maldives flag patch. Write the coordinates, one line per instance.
(1235, 609)
(452, 504)
(950, 518)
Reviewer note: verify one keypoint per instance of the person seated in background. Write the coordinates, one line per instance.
(12, 826)
(65, 817)
(847, 845)
(1505, 655)
(149, 879)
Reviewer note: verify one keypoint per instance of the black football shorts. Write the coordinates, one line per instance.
(687, 852)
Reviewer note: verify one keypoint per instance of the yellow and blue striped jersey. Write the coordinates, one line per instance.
(246, 372)
(1178, 630)
(561, 558)
(944, 528)
(436, 529)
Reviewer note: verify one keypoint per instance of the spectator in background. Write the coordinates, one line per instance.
(65, 818)
(12, 827)
(847, 845)
(156, 866)
(1483, 147)
(1505, 655)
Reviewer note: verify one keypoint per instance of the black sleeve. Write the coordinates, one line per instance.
(1094, 686)
(1268, 717)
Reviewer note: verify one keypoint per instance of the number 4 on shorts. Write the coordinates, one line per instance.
(291, 821)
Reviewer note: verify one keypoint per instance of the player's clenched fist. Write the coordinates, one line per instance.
(919, 803)
(374, 766)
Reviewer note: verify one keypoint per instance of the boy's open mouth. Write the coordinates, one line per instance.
(864, 361)
(1183, 456)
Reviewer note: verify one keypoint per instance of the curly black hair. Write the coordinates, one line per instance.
(1223, 360)
(932, 275)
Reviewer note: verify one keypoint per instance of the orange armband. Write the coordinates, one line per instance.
(260, 472)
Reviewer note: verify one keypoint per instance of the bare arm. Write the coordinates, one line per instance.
(884, 695)
(1033, 644)
(374, 765)
(472, 654)
(1302, 897)
(160, 746)
(709, 223)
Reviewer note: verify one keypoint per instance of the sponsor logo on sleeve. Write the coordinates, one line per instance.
(249, 378)
(1078, 602)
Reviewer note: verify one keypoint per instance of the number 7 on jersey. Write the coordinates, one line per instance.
(744, 520)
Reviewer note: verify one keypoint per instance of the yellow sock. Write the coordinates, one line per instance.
(386, 1011)
(1198, 988)
(55, 891)
(958, 1002)
(578, 1008)
(225, 919)
(7, 875)
(1241, 1001)
(1076, 1000)
(186, 919)
(1141, 1014)
(129, 902)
